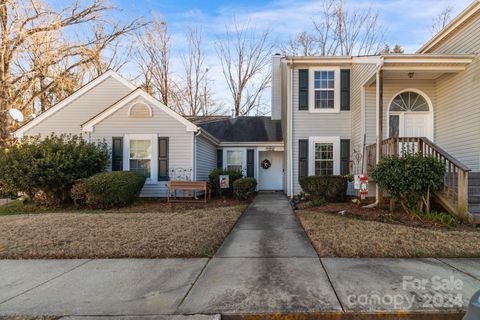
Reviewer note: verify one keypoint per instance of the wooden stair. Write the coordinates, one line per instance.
(474, 195)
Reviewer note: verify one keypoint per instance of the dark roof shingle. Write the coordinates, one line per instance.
(241, 129)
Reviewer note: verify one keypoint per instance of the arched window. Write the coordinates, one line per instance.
(409, 101)
(140, 110)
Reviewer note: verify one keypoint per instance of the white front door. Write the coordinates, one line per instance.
(417, 125)
(270, 178)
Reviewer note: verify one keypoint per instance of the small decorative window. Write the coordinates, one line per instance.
(141, 157)
(324, 86)
(409, 101)
(140, 110)
(323, 159)
(234, 159)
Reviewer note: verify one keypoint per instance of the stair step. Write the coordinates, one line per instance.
(474, 190)
(474, 208)
(474, 198)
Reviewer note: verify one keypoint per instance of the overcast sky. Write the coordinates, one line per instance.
(408, 22)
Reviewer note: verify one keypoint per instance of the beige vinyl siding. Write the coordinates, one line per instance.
(360, 73)
(69, 118)
(306, 124)
(180, 141)
(390, 89)
(457, 116)
(464, 41)
(206, 158)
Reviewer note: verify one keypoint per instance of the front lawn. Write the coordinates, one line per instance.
(147, 229)
(334, 235)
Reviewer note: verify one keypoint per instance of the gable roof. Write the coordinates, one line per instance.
(81, 91)
(458, 22)
(241, 129)
(89, 125)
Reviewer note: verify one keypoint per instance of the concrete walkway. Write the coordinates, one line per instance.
(265, 265)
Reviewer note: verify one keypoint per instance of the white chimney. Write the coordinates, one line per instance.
(276, 87)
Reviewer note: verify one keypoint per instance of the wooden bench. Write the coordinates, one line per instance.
(188, 186)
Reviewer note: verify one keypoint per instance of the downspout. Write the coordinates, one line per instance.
(194, 173)
(379, 122)
(290, 128)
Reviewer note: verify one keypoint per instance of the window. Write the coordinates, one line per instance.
(324, 86)
(141, 157)
(234, 159)
(409, 101)
(323, 159)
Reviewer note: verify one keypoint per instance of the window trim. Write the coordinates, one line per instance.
(244, 157)
(311, 153)
(336, 90)
(153, 163)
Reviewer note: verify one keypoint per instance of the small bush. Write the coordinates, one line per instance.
(410, 179)
(325, 188)
(78, 193)
(113, 189)
(49, 166)
(244, 188)
(214, 175)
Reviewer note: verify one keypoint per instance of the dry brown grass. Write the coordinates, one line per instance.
(183, 233)
(337, 236)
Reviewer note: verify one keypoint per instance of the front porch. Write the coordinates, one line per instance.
(404, 108)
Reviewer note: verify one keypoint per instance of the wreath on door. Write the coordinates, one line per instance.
(266, 164)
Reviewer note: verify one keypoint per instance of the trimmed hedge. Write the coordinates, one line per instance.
(111, 189)
(215, 174)
(244, 188)
(326, 188)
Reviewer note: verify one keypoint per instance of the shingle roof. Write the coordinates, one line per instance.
(241, 129)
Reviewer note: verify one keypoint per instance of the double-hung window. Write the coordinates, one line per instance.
(324, 159)
(140, 158)
(235, 159)
(325, 89)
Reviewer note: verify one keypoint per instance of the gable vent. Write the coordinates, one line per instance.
(140, 110)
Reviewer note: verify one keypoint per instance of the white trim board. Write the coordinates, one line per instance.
(80, 92)
(89, 126)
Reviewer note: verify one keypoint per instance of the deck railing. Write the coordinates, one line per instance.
(454, 193)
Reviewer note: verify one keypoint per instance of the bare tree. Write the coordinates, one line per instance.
(442, 19)
(24, 22)
(245, 57)
(304, 44)
(340, 31)
(153, 59)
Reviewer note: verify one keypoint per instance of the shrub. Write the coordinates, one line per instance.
(410, 179)
(244, 188)
(113, 189)
(78, 193)
(50, 166)
(325, 188)
(214, 175)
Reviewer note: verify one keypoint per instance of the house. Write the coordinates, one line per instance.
(330, 115)
(342, 114)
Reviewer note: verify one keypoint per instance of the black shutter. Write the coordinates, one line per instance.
(219, 158)
(250, 163)
(302, 158)
(345, 90)
(303, 89)
(163, 158)
(344, 156)
(117, 154)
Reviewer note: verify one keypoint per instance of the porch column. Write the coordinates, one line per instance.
(379, 118)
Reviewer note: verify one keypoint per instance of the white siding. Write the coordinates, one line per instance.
(69, 119)
(206, 158)
(306, 124)
(390, 89)
(360, 73)
(464, 41)
(457, 117)
(180, 141)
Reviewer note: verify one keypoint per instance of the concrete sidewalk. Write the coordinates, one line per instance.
(266, 265)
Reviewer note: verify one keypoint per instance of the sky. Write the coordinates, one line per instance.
(407, 22)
